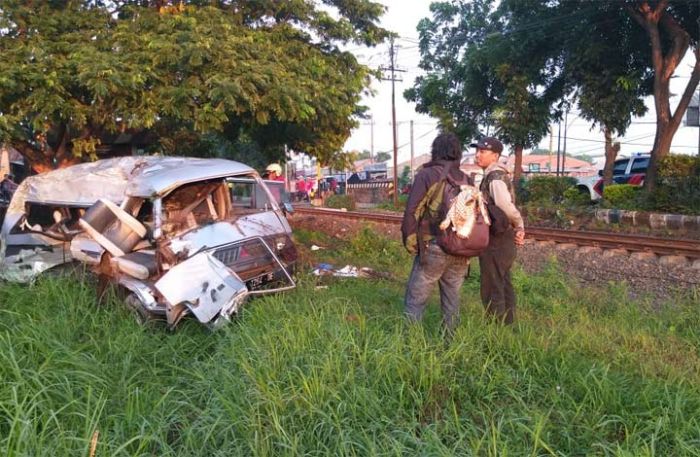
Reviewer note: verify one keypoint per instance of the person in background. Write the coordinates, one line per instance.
(7, 187)
(301, 189)
(495, 263)
(420, 225)
(273, 172)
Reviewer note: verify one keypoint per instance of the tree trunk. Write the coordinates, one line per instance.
(611, 151)
(656, 20)
(518, 166)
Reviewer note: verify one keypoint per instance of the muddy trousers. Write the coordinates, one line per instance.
(497, 292)
(432, 266)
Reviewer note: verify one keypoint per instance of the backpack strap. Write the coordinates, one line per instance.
(444, 176)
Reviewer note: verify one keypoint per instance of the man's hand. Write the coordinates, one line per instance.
(520, 237)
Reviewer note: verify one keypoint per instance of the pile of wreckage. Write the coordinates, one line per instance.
(175, 236)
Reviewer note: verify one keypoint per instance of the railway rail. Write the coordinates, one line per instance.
(605, 240)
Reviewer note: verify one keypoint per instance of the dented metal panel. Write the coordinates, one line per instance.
(204, 285)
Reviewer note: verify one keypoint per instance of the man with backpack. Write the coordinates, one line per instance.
(507, 232)
(419, 230)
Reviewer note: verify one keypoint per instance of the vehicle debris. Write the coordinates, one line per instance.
(180, 236)
(348, 271)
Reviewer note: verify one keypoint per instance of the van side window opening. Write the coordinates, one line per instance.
(43, 217)
(195, 204)
(247, 195)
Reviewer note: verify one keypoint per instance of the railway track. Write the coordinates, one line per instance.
(605, 240)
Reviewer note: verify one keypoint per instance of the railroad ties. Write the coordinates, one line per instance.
(670, 250)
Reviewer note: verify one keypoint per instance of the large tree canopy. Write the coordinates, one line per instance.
(77, 71)
(513, 64)
(487, 67)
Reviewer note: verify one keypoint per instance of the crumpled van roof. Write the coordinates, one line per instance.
(134, 176)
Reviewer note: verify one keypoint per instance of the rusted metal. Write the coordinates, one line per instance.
(607, 240)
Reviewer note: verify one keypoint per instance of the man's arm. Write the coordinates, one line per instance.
(502, 198)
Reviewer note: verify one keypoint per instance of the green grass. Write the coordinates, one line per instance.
(337, 371)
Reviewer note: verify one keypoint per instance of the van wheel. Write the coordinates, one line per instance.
(133, 304)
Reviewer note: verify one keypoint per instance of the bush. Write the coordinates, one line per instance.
(548, 189)
(679, 166)
(574, 197)
(340, 201)
(675, 195)
(622, 196)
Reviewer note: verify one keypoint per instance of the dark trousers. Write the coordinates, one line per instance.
(495, 264)
(432, 266)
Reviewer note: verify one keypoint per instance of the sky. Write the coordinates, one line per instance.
(581, 138)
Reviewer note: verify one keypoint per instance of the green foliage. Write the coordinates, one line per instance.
(311, 371)
(80, 71)
(679, 166)
(405, 177)
(547, 189)
(575, 197)
(621, 196)
(382, 156)
(340, 201)
(477, 75)
(674, 195)
(389, 205)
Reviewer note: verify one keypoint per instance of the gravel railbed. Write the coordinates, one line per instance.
(644, 278)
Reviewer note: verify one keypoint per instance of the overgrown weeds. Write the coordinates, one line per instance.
(337, 371)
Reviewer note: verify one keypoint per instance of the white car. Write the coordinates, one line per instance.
(628, 170)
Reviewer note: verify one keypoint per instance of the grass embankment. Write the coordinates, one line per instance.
(337, 371)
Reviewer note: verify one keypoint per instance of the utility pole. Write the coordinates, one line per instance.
(558, 146)
(371, 139)
(392, 68)
(551, 147)
(563, 155)
(412, 152)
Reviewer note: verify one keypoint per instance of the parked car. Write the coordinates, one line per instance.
(629, 170)
(177, 235)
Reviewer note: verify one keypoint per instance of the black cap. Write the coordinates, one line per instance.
(490, 143)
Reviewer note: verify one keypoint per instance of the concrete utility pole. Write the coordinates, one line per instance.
(392, 68)
(551, 147)
(371, 139)
(563, 156)
(558, 147)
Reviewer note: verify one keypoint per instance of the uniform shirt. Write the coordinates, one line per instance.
(503, 198)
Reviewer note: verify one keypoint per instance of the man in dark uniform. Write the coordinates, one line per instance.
(420, 224)
(495, 263)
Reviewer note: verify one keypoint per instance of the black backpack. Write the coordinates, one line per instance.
(447, 239)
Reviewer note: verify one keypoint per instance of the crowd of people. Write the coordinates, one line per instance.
(303, 189)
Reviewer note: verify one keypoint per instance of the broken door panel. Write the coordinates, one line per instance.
(205, 285)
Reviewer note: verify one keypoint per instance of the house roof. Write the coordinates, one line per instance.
(547, 162)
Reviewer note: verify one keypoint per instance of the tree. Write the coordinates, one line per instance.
(605, 67)
(484, 70)
(76, 71)
(672, 27)
(382, 156)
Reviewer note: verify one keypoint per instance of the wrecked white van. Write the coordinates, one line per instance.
(176, 235)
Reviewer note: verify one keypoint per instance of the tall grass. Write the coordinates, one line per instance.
(337, 371)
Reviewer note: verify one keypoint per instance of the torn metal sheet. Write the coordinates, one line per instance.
(26, 265)
(205, 285)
